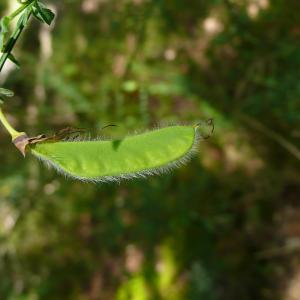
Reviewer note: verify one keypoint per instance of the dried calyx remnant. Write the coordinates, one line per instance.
(22, 141)
(151, 152)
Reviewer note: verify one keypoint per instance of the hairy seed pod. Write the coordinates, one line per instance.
(152, 152)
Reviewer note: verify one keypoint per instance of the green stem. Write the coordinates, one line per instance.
(10, 45)
(5, 55)
(16, 34)
(14, 133)
(20, 9)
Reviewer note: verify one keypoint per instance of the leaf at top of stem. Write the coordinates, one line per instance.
(42, 13)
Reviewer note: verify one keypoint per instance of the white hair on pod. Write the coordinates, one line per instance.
(117, 178)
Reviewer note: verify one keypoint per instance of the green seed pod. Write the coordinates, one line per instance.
(152, 152)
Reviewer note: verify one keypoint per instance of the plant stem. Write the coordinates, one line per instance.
(5, 55)
(16, 34)
(20, 9)
(10, 45)
(14, 133)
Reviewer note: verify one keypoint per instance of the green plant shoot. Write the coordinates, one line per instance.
(8, 40)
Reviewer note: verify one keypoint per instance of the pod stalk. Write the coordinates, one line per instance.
(19, 139)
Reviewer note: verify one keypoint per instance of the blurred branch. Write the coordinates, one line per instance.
(291, 246)
(14, 133)
(283, 142)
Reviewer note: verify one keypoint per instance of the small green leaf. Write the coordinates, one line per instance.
(37, 15)
(14, 60)
(4, 24)
(6, 93)
(42, 13)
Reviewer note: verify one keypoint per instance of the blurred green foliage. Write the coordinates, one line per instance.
(226, 226)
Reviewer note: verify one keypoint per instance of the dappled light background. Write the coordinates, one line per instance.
(225, 226)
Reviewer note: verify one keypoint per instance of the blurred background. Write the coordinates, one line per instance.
(227, 225)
